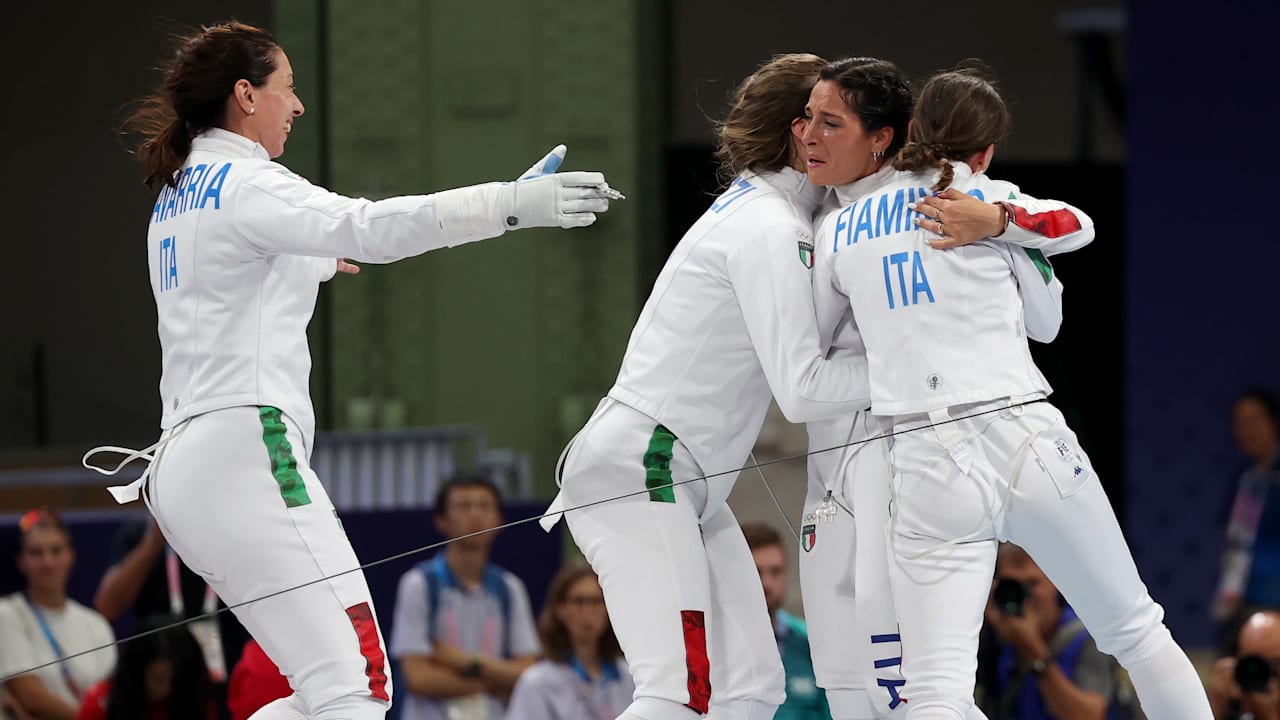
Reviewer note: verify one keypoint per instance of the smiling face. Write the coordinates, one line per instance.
(274, 107)
(837, 148)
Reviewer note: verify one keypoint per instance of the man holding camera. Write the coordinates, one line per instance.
(1044, 664)
(1245, 687)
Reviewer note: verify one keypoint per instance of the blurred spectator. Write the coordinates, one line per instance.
(161, 676)
(582, 675)
(148, 578)
(1250, 575)
(41, 624)
(1044, 663)
(1246, 686)
(255, 681)
(804, 698)
(463, 628)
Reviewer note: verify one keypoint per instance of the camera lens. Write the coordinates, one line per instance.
(1009, 595)
(1253, 673)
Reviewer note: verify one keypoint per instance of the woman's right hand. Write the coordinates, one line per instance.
(959, 218)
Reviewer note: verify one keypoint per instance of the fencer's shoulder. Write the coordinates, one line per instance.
(994, 190)
(791, 195)
(271, 175)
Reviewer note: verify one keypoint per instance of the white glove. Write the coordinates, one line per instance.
(542, 198)
(547, 165)
(564, 200)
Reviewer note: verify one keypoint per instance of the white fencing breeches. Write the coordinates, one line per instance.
(684, 597)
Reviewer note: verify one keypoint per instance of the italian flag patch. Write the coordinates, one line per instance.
(808, 534)
(806, 254)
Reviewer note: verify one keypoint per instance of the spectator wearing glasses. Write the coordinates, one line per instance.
(582, 675)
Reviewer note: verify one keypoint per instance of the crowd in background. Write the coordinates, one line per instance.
(464, 642)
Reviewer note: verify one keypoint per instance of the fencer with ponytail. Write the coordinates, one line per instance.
(958, 115)
(198, 80)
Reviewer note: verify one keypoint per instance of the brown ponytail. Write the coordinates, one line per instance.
(918, 157)
(165, 139)
(958, 114)
(198, 80)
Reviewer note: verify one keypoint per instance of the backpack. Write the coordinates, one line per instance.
(438, 577)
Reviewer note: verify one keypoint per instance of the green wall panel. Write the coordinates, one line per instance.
(520, 334)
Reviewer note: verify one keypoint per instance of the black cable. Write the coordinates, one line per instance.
(522, 521)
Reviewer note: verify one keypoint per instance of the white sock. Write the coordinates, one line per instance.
(1168, 686)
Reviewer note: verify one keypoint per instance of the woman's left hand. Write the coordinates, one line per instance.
(349, 268)
(959, 218)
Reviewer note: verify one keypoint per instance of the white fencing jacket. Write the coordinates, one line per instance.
(730, 324)
(237, 252)
(925, 314)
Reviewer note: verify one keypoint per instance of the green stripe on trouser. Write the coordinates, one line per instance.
(284, 466)
(657, 466)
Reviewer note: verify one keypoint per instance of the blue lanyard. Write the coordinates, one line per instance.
(590, 693)
(53, 643)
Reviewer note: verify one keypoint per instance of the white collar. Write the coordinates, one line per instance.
(228, 143)
(960, 171)
(846, 194)
(796, 186)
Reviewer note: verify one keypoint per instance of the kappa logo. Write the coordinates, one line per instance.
(808, 537)
(1070, 456)
(806, 254)
(934, 381)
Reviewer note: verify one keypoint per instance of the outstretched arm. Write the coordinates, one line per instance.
(279, 212)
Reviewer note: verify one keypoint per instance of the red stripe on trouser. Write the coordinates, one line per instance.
(1051, 224)
(370, 647)
(695, 659)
